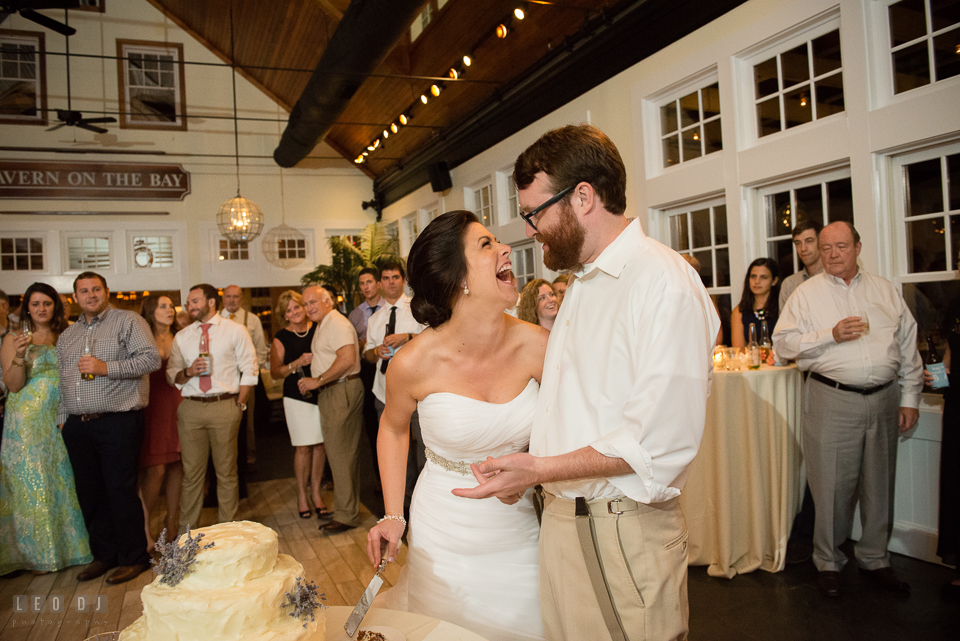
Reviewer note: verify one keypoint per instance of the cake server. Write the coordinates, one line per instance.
(366, 600)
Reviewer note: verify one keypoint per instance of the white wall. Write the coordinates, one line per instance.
(874, 127)
(324, 195)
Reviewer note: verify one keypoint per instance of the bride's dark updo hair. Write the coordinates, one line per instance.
(436, 267)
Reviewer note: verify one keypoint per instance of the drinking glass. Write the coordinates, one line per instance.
(302, 374)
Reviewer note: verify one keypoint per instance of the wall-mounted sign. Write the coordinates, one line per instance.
(52, 180)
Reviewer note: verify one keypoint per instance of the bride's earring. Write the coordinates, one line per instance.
(466, 291)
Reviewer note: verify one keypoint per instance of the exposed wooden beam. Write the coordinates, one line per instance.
(329, 9)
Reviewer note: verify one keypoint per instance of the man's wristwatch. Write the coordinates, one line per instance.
(242, 406)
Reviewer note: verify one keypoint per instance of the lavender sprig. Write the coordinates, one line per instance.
(176, 561)
(304, 599)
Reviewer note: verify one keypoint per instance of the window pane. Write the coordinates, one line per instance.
(794, 65)
(6, 245)
(36, 246)
(782, 252)
(22, 262)
(779, 222)
(21, 245)
(691, 144)
(6, 263)
(809, 204)
(929, 304)
(908, 21)
(826, 53)
(706, 267)
(953, 179)
(723, 267)
(36, 262)
(711, 100)
(712, 137)
(830, 95)
(840, 201)
(768, 117)
(924, 188)
(946, 47)
(671, 151)
(700, 220)
(944, 13)
(765, 78)
(679, 239)
(797, 107)
(689, 109)
(926, 246)
(911, 68)
(668, 118)
(720, 225)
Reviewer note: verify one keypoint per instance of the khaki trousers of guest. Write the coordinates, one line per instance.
(341, 414)
(208, 429)
(643, 553)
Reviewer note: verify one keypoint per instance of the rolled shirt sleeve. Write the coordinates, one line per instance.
(247, 359)
(142, 356)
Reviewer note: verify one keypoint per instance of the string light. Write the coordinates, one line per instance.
(394, 128)
(453, 73)
(435, 90)
(403, 119)
(467, 60)
(502, 31)
(518, 12)
(423, 98)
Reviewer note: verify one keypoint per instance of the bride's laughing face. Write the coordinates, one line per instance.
(489, 270)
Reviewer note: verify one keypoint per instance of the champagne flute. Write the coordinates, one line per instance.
(26, 330)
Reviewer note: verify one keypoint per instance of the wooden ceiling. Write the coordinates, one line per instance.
(277, 45)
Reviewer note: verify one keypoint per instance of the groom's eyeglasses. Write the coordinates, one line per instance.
(536, 212)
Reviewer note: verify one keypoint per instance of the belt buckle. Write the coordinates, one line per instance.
(610, 506)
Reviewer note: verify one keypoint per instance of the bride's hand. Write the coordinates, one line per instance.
(384, 535)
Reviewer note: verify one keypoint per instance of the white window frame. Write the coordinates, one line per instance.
(508, 201)
(526, 276)
(665, 215)
(744, 62)
(409, 230)
(652, 114)
(66, 241)
(127, 119)
(217, 248)
(486, 213)
(135, 267)
(45, 253)
(35, 39)
(880, 55)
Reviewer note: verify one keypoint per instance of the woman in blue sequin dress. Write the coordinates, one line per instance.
(41, 526)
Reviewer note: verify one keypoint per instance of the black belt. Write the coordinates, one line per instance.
(865, 391)
(210, 399)
(339, 380)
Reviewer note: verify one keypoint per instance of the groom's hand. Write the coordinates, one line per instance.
(505, 478)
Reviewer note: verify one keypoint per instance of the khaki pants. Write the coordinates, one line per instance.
(208, 429)
(341, 414)
(644, 557)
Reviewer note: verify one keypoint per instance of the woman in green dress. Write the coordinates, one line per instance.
(41, 526)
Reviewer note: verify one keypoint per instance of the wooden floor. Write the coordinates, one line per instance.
(338, 564)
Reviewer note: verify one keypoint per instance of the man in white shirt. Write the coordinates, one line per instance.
(335, 371)
(392, 327)
(622, 401)
(232, 296)
(215, 390)
(853, 332)
(806, 240)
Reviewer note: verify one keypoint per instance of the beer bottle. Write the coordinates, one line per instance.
(934, 364)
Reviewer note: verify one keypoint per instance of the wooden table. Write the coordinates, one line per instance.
(745, 485)
(416, 627)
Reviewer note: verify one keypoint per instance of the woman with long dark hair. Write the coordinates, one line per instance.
(474, 375)
(759, 302)
(160, 454)
(41, 526)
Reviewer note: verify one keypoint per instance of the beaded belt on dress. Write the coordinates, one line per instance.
(460, 467)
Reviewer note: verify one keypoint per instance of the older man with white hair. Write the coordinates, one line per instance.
(335, 373)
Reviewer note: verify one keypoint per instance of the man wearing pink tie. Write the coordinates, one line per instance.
(214, 365)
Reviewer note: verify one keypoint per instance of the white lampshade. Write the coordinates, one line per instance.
(240, 220)
(284, 246)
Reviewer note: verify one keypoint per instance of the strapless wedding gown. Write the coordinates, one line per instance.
(472, 563)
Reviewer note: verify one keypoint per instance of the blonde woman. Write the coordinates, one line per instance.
(289, 353)
(538, 303)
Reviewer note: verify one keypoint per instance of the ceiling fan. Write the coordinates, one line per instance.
(27, 10)
(70, 118)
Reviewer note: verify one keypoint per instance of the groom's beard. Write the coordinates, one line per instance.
(564, 242)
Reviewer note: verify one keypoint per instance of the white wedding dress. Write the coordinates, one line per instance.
(472, 562)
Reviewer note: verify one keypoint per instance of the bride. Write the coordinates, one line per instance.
(474, 375)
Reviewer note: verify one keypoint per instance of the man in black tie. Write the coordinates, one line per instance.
(389, 329)
(369, 281)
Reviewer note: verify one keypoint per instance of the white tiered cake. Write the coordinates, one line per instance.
(236, 591)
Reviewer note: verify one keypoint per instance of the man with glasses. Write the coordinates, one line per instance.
(622, 401)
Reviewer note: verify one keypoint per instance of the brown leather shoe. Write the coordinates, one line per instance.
(887, 579)
(829, 583)
(93, 570)
(335, 527)
(125, 573)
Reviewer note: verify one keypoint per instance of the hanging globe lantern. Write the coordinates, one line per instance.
(284, 246)
(240, 220)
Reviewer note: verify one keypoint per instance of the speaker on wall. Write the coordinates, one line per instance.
(439, 176)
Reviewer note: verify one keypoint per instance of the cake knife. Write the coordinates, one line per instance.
(366, 600)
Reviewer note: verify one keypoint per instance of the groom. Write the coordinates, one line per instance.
(621, 408)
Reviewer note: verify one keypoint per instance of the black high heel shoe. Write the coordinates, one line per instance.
(306, 514)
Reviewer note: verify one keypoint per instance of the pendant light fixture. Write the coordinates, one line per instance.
(238, 219)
